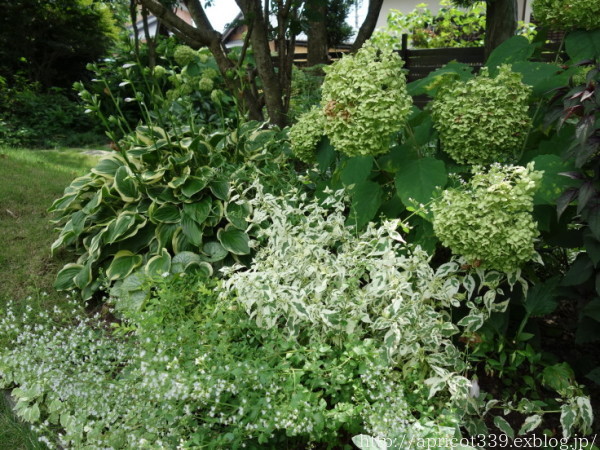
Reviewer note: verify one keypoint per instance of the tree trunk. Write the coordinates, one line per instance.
(369, 24)
(318, 48)
(500, 23)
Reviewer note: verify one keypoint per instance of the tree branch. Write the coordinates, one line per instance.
(368, 26)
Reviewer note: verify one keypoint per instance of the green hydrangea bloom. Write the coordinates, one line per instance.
(210, 73)
(306, 134)
(365, 101)
(205, 84)
(483, 120)
(488, 221)
(184, 55)
(568, 14)
(159, 71)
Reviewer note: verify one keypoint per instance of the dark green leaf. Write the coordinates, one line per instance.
(123, 264)
(356, 170)
(220, 189)
(126, 185)
(540, 299)
(166, 213)
(191, 229)
(579, 272)
(582, 45)
(513, 50)
(234, 240)
(237, 213)
(107, 167)
(325, 154)
(193, 185)
(366, 200)
(65, 279)
(592, 309)
(214, 251)
(159, 264)
(198, 211)
(553, 184)
(558, 377)
(183, 260)
(417, 181)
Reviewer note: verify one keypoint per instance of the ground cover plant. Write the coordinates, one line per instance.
(393, 286)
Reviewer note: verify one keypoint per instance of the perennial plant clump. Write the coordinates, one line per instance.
(568, 15)
(485, 119)
(365, 101)
(489, 220)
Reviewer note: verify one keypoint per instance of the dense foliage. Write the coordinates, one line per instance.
(52, 42)
(577, 14)
(414, 277)
(485, 119)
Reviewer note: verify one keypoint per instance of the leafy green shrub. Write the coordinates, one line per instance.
(485, 119)
(34, 118)
(164, 204)
(489, 221)
(450, 27)
(365, 101)
(306, 90)
(576, 14)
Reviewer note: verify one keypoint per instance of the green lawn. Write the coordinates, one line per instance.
(29, 183)
(30, 180)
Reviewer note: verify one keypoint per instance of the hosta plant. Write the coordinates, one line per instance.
(165, 204)
(485, 119)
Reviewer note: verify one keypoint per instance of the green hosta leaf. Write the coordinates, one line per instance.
(164, 234)
(126, 185)
(123, 264)
(234, 240)
(220, 189)
(166, 213)
(108, 167)
(84, 277)
(216, 213)
(119, 227)
(159, 264)
(92, 205)
(63, 203)
(236, 214)
(203, 268)
(152, 176)
(65, 279)
(530, 424)
(515, 49)
(356, 170)
(199, 211)
(181, 261)
(582, 45)
(191, 229)
(417, 181)
(504, 426)
(366, 200)
(180, 180)
(181, 243)
(553, 184)
(193, 185)
(214, 251)
(541, 299)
